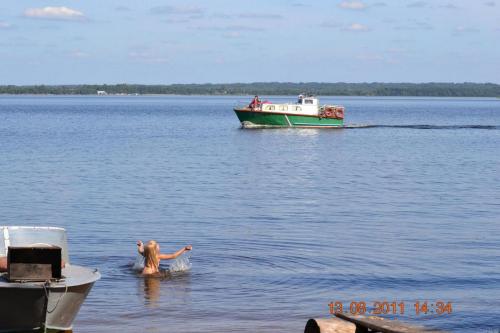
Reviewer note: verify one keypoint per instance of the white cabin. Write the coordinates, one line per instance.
(306, 105)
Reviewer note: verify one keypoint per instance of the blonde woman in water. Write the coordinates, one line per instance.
(152, 256)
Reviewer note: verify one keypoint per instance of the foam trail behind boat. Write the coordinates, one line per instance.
(424, 126)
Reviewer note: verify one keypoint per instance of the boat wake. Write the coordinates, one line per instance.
(250, 125)
(447, 127)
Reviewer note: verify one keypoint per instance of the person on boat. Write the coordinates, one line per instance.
(3, 264)
(301, 97)
(255, 103)
(152, 256)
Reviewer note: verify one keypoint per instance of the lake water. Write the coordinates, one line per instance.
(282, 221)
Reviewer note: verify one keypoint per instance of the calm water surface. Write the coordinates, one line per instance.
(282, 221)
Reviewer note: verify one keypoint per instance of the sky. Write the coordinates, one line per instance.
(224, 41)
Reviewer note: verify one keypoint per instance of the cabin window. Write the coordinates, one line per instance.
(271, 107)
(298, 108)
(308, 101)
(283, 108)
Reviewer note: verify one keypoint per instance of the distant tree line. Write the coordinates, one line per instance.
(271, 88)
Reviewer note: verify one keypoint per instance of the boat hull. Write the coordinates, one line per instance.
(22, 309)
(63, 306)
(257, 119)
(29, 306)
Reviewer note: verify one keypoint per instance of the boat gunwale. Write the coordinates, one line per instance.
(70, 280)
(31, 227)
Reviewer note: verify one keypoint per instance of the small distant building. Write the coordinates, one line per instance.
(101, 92)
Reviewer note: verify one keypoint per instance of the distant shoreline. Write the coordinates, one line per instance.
(266, 88)
(236, 95)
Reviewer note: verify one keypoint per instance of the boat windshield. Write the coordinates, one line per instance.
(33, 236)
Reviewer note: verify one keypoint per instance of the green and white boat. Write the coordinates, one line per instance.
(306, 112)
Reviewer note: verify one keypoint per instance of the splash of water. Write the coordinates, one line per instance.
(181, 263)
(138, 263)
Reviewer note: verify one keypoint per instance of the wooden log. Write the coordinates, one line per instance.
(330, 325)
(378, 324)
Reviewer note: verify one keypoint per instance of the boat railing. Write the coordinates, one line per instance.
(33, 236)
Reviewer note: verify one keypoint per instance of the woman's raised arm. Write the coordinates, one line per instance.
(140, 247)
(175, 254)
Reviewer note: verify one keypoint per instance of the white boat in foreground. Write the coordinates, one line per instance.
(51, 304)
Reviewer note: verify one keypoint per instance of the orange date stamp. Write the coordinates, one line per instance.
(390, 308)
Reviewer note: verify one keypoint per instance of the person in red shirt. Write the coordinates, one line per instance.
(3, 264)
(255, 103)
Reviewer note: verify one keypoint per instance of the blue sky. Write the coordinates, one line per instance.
(153, 41)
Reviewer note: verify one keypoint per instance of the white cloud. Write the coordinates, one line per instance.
(252, 16)
(5, 25)
(414, 25)
(176, 20)
(175, 10)
(450, 6)
(220, 61)
(354, 5)
(148, 57)
(221, 16)
(78, 54)
(231, 28)
(330, 24)
(232, 34)
(54, 13)
(417, 4)
(462, 30)
(260, 16)
(122, 9)
(397, 50)
(370, 57)
(357, 27)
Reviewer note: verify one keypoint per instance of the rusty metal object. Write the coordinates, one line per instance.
(34, 263)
